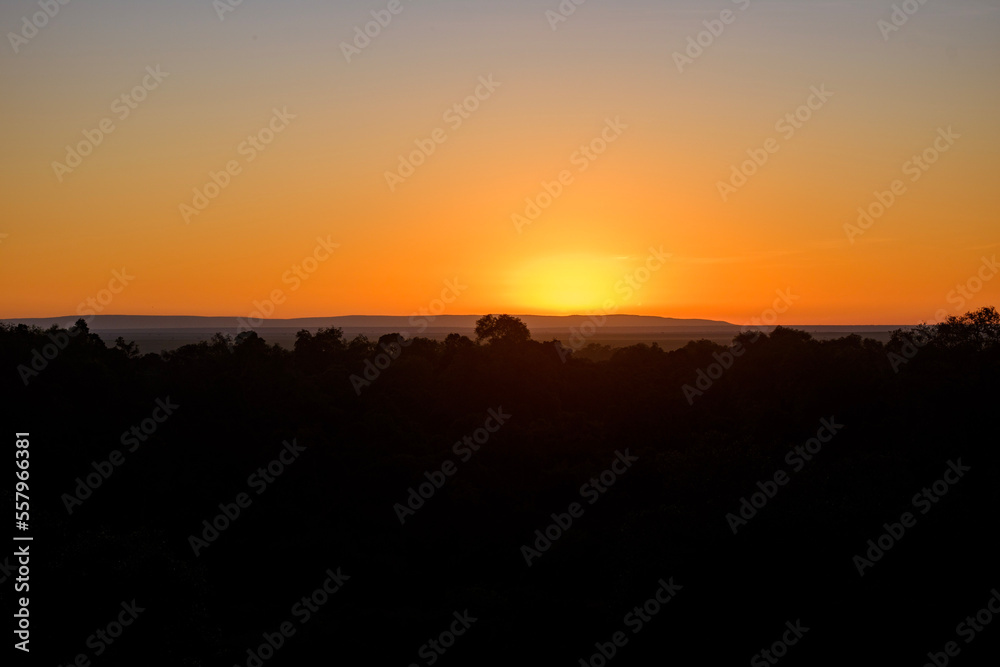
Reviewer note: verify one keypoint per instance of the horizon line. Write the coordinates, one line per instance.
(434, 317)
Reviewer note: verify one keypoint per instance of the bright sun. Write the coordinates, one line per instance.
(569, 284)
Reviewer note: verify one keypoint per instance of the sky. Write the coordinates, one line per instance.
(689, 158)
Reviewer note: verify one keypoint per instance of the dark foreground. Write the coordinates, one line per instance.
(235, 503)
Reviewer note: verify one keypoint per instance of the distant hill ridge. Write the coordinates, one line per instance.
(402, 323)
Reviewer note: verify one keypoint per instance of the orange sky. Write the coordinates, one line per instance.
(606, 77)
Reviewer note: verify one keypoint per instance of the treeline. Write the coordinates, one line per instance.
(707, 424)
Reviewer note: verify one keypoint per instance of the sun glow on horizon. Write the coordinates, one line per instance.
(568, 284)
(688, 174)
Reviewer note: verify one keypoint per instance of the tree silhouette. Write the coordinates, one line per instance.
(979, 329)
(706, 422)
(502, 329)
(128, 348)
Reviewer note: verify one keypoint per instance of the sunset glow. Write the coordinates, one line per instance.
(224, 158)
(501, 332)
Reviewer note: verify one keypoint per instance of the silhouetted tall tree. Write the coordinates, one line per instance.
(504, 329)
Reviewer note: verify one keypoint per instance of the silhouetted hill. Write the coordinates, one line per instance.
(458, 323)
